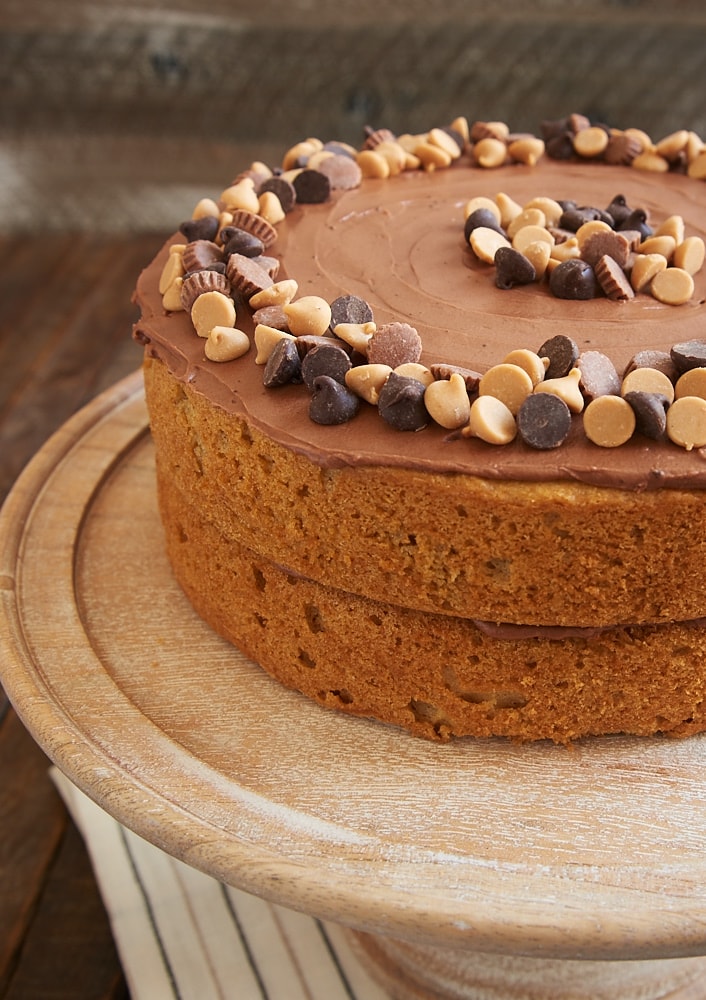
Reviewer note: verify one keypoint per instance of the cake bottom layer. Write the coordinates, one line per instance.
(437, 676)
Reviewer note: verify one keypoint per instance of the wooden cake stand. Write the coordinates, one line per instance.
(477, 869)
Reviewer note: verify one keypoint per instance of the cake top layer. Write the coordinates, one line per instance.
(399, 245)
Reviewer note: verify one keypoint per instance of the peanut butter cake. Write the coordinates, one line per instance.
(430, 426)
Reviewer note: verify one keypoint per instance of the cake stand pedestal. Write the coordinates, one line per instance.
(477, 869)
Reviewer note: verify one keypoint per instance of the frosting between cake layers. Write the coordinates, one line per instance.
(399, 245)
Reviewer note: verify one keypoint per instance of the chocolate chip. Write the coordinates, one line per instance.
(350, 309)
(512, 268)
(637, 220)
(401, 403)
(618, 210)
(598, 375)
(283, 365)
(543, 421)
(481, 217)
(284, 190)
(325, 359)
(574, 217)
(312, 187)
(688, 355)
(240, 241)
(560, 146)
(332, 403)
(573, 279)
(562, 352)
(394, 344)
(650, 410)
(205, 228)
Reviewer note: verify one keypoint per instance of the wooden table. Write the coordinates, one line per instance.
(65, 320)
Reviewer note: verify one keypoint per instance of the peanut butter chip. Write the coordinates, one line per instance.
(691, 383)
(447, 402)
(309, 315)
(279, 294)
(686, 422)
(644, 269)
(373, 165)
(531, 234)
(673, 286)
(356, 335)
(240, 195)
(566, 388)
(689, 254)
(648, 380)
(590, 142)
(480, 201)
(550, 208)
(367, 381)
(412, 369)
(225, 343)
(486, 242)
(609, 421)
(508, 208)
(527, 217)
(270, 208)
(266, 339)
(171, 300)
(527, 149)
(508, 383)
(538, 255)
(173, 267)
(490, 152)
(212, 309)
(529, 362)
(491, 421)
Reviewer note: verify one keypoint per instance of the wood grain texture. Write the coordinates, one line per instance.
(590, 854)
(64, 336)
(96, 99)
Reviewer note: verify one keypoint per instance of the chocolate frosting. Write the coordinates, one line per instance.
(399, 244)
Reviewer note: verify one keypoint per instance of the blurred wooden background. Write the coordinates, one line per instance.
(115, 117)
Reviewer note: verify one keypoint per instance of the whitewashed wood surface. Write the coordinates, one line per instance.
(591, 853)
